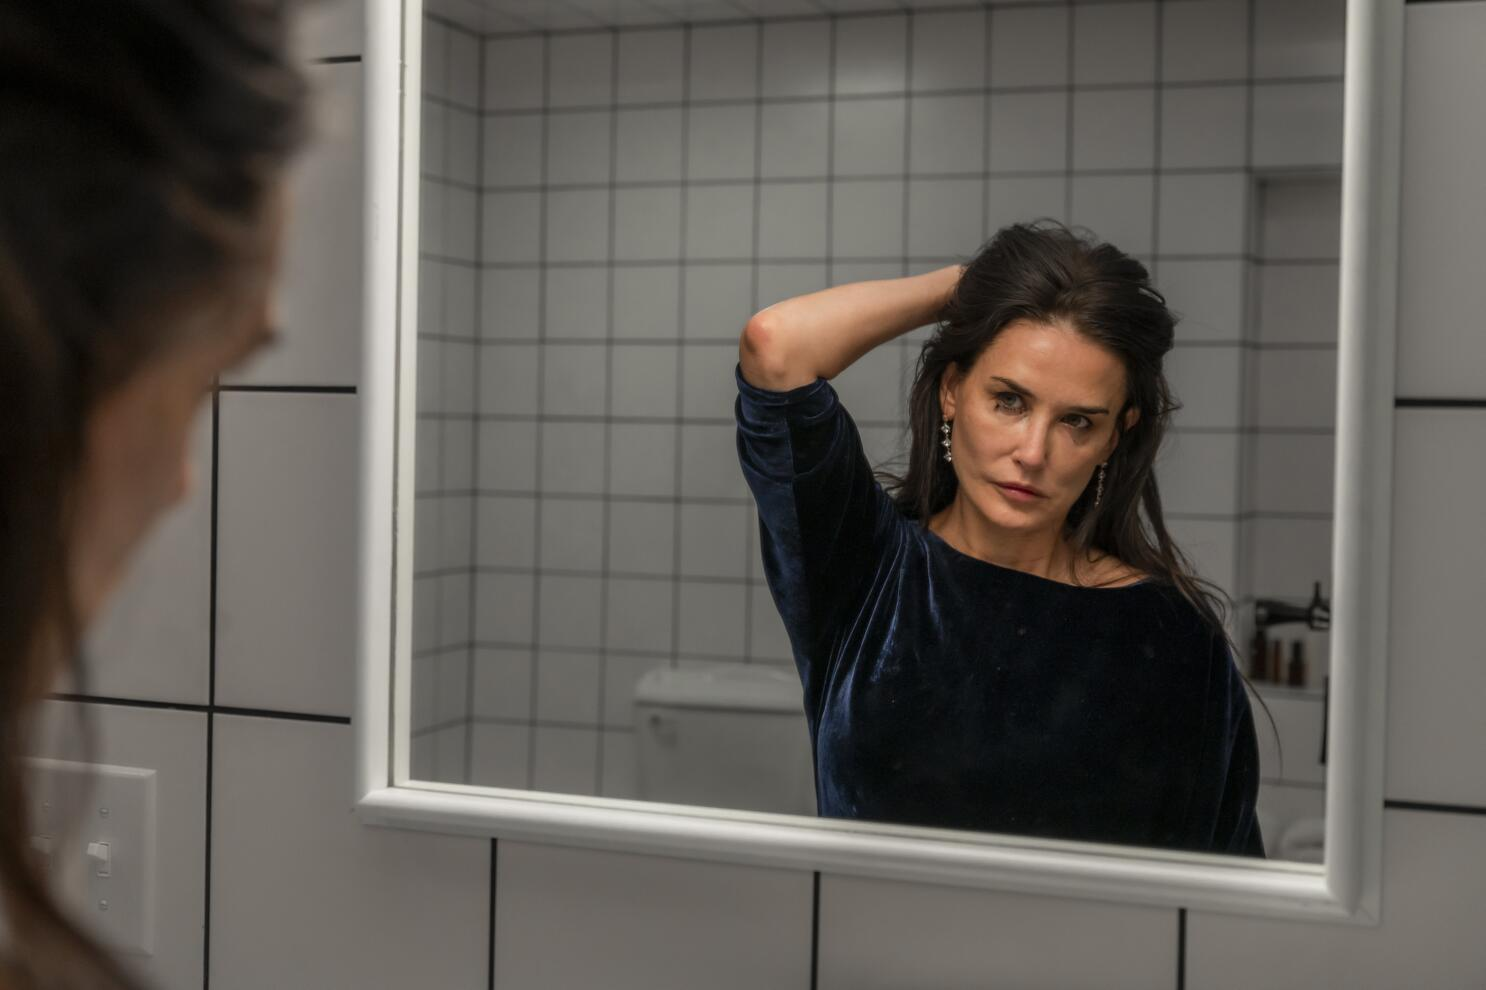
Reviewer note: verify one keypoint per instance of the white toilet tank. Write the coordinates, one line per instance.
(728, 735)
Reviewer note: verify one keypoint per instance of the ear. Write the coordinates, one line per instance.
(948, 383)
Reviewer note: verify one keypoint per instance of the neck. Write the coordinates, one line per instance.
(1043, 552)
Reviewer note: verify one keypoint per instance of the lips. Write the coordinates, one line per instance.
(1018, 488)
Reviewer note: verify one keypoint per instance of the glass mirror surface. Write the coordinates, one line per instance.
(609, 191)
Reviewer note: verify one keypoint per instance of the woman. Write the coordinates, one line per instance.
(142, 149)
(1002, 643)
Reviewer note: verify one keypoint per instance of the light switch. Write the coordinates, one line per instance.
(95, 824)
(98, 853)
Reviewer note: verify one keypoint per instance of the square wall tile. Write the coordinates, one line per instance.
(1029, 131)
(649, 144)
(1204, 40)
(869, 137)
(949, 49)
(1298, 124)
(577, 225)
(578, 146)
(719, 221)
(647, 301)
(152, 640)
(720, 142)
(650, 65)
(1204, 127)
(1204, 214)
(1029, 45)
(792, 65)
(319, 298)
(871, 54)
(792, 220)
(1435, 658)
(569, 917)
(286, 539)
(948, 134)
(641, 538)
(1114, 43)
(641, 614)
(291, 831)
(1295, 38)
(580, 66)
(724, 62)
(1114, 128)
(565, 759)
(500, 755)
(879, 933)
(1300, 219)
(945, 217)
(1441, 347)
(514, 68)
(866, 222)
(1207, 297)
(794, 140)
(1117, 208)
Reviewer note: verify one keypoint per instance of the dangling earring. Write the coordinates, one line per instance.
(944, 442)
(1099, 491)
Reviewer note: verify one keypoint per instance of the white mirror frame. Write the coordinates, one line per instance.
(1346, 888)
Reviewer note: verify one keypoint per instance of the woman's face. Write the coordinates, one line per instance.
(135, 458)
(1037, 410)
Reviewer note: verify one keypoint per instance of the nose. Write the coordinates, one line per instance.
(1031, 451)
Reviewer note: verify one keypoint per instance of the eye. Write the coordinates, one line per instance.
(1003, 397)
(1084, 425)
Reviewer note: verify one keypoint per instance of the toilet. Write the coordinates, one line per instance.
(728, 735)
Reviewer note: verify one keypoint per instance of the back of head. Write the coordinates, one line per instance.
(141, 142)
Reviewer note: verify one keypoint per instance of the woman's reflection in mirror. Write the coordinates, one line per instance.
(1005, 638)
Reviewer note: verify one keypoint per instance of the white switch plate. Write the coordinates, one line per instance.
(74, 804)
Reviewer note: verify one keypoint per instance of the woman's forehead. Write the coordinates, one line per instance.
(1054, 361)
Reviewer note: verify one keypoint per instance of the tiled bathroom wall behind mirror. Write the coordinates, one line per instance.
(606, 199)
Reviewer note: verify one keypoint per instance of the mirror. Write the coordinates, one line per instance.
(609, 191)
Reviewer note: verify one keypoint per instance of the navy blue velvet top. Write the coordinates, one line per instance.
(944, 690)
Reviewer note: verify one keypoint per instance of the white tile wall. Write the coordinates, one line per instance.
(571, 918)
(287, 901)
(879, 934)
(286, 465)
(153, 641)
(295, 904)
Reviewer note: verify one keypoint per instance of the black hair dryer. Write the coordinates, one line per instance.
(1316, 615)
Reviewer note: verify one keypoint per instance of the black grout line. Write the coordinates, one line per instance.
(1424, 402)
(476, 399)
(291, 389)
(490, 946)
(815, 930)
(211, 686)
(680, 392)
(1451, 809)
(208, 709)
(1181, 948)
(605, 516)
(536, 596)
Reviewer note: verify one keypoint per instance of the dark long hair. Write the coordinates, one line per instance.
(1045, 272)
(140, 144)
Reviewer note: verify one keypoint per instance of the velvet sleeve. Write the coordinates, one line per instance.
(824, 520)
(1236, 828)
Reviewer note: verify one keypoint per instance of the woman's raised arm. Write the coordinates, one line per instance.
(820, 334)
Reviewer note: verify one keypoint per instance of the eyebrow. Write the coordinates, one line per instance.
(1085, 410)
